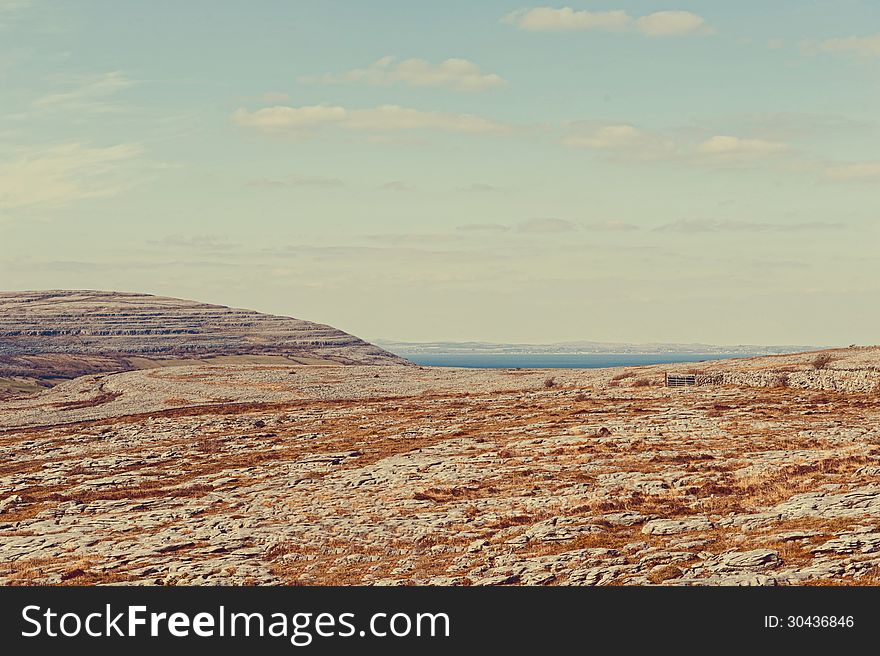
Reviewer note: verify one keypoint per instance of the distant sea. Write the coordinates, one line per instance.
(559, 360)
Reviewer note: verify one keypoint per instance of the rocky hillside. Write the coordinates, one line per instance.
(209, 474)
(55, 335)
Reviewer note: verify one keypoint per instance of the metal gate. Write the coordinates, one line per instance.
(680, 380)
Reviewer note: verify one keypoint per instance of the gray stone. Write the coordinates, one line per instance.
(758, 558)
(673, 526)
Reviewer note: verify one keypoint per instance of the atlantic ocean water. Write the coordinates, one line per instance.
(559, 360)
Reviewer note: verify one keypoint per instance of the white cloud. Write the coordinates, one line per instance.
(282, 117)
(394, 117)
(779, 126)
(609, 137)
(628, 142)
(548, 19)
(855, 172)
(459, 74)
(866, 46)
(620, 139)
(87, 94)
(672, 23)
(735, 147)
(59, 175)
(387, 118)
(566, 19)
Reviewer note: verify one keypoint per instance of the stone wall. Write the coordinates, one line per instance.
(856, 380)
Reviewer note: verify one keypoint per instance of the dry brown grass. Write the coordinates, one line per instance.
(100, 399)
(781, 380)
(539, 446)
(34, 571)
(512, 520)
(211, 444)
(752, 493)
(664, 573)
(442, 495)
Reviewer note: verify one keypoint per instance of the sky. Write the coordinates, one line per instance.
(603, 170)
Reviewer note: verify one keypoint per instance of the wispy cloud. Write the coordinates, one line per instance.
(397, 185)
(619, 139)
(55, 176)
(672, 23)
(692, 226)
(854, 172)
(864, 46)
(726, 146)
(195, 242)
(87, 94)
(781, 126)
(458, 74)
(9, 9)
(480, 188)
(409, 239)
(630, 142)
(386, 118)
(566, 19)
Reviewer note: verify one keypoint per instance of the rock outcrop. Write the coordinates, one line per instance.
(56, 335)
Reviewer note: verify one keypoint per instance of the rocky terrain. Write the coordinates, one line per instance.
(50, 336)
(767, 473)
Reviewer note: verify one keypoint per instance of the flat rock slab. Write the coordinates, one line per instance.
(675, 526)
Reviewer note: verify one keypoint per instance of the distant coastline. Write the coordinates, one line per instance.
(560, 360)
(570, 355)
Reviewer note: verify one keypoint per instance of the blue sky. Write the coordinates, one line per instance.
(619, 171)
